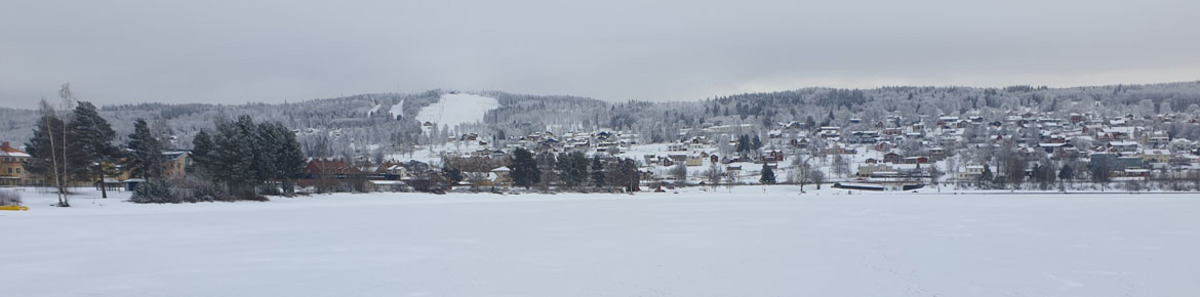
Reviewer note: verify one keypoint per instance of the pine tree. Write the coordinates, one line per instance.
(768, 175)
(289, 160)
(145, 152)
(91, 143)
(624, 174)
(232, 159)
(572, 168)
(1064, 175)
(453, 175)
(597, 175)
(202, 153)
(547, 163)
(266, 147)
(525, 172)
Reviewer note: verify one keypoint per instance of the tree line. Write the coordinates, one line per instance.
(240, 160)
(563, 171)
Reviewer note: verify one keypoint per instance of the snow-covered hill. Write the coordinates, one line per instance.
(455, 109)
(397, 109)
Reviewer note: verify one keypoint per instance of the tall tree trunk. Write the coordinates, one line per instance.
(103, 188)
(65, 168)
(289, 187)
(56, 170)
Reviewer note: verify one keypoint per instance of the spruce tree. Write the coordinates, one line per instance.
(597, 174)
(232, 159)
(525, 172)
(289, 159)
(1066, 173)
(202, 153)
(624, 174)
(768, 175)
(266, 146)
(91, 143)
(572, 168)
(145, 152)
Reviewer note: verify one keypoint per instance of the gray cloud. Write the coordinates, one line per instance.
(238, 51)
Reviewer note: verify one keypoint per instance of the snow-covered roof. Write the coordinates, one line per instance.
(9, 151)
(17, 154)
(1156, 152)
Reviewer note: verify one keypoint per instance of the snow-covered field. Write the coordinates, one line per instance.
(745, 241)
(455, 109)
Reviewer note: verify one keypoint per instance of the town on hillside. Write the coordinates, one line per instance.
(1019, 150)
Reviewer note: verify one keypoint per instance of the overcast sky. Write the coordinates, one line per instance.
(218, 51)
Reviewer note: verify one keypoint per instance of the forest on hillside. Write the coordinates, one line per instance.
(360, 125)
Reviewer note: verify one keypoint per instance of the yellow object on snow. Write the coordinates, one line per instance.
(13, 207)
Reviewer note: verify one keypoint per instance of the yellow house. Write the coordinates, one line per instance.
(175, 164)
(12, 167)
(502, 177)
(1156, 156)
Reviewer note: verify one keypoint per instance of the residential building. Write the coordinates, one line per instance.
(12, 167)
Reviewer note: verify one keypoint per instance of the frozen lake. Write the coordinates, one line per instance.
(751, 242)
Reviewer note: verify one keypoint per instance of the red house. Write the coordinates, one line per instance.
(893, 158)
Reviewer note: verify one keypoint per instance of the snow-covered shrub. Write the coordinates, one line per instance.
(196, 189)
(270, 189)
(1133, 186)
(154, 191)
(10, 198)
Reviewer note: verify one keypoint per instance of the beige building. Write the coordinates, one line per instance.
(12, 167)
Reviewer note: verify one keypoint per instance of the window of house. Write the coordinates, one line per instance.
(18, 170)
(10, 170)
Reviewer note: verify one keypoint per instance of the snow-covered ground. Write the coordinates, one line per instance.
(743, 241)
(455, 109)
(397, 109)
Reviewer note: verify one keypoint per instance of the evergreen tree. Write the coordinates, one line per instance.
(47, 152)
(153, 191)
(985, 178)
(525, 172)
(1100, 170)
(267, 143)
(289, 159)
(91, 143)
(768, 175)
(624, 174)
(572, 168)
(597, 175)
(1064, 175)
(547, 164)
(202, 153)
(453, 175)
(145, 152)
(232, 160)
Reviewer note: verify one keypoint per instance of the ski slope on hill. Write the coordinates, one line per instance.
(455, 109)
(397, 109)
(742, 241)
